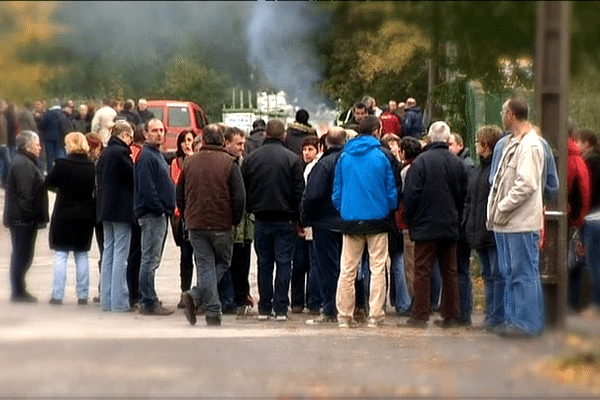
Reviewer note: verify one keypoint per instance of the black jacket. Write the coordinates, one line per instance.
(274, 183)
(25, 198)
(131, 116)
(297, 133)
(145, 115)
(317, 209)
(434, 194)
(475, 212)
(115, 183)
(256, 139)
(73, 218)
(65, 126)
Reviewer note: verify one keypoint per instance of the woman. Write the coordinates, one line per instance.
(25, 211)
(72, 223)
(588, 142)
(185, 148)
(96, 146)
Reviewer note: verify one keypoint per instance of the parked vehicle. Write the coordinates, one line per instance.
(178, 116)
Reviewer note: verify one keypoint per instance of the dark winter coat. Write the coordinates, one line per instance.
(317, 208)
(434, 194)
(81, 125)
(131, 116)
(274, 183)
(65, 126)
(412, 124)
(297, 133)
(145, 115)
(256, 139)
(73, 218)
(26, 121)
(475, 212)
(154, 189)
(25, 198)
(115, 183)
(211, 192)
(51, 130)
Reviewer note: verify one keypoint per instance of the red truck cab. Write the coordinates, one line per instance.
(178, 116)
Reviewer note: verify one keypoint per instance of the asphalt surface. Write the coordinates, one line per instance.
(67, 351)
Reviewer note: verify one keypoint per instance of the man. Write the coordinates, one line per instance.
(434, 196)
(25, 211)
(257, 136)
(115, 212)
(274, 184)
(130, 114)
(65, 126)
(515, 214)
(412, 123)
(298, 131)
(26, 118)
(145, 114)
(465, 290)
(102, 118)
(365, 194)
(81, 124)
(243, 234)
(4, 153)
(359, 112)
(51, 134)
(318, 211)
(154, 203)
(390, 123)
(209, 219)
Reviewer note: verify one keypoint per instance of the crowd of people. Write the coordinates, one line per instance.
(375, 212)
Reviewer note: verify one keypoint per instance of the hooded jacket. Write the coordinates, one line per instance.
(412, 124)
(364, 187)
(297, 134)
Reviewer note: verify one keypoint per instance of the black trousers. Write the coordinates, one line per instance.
(133, 263)
(23, 246)
(240, 269)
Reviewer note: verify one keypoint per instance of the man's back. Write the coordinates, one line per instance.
(434, 194)
(273, 179)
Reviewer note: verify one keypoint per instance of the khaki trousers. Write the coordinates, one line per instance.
(352, 250)
(409, 263)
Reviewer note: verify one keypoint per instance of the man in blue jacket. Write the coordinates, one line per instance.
(365, 194)
(154, 203)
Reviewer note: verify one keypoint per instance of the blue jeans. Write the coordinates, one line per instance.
(212, 252)
(403, 301)
(328, 251)
(4, 164)
(494, 286)
(274, 245)
(591, 238)
(518, 259)
(465, 290)
(303, 270)
(154, 233)
(61, 259)
(226, 290)
(114, 294)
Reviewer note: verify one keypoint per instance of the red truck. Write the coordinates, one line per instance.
(178, 116)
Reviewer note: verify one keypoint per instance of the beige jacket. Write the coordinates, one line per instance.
(515, 200)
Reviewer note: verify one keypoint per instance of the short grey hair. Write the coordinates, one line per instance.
(439, 132)
(25, 139)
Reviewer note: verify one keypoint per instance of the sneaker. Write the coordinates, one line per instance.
(189, 309)
(264, 317)
(158, 310)
(213, 320)
(55, 302)
(82, 302)
(322, 319)
(347, 322)
(375, 322)
(281, 317)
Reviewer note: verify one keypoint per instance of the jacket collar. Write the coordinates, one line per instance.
(273, 140)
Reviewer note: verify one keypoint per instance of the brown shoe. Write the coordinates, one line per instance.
(158, 310)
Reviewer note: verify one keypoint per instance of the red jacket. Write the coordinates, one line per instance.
(578, 185)
(390, 124)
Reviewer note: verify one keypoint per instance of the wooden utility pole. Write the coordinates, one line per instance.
(552, 57)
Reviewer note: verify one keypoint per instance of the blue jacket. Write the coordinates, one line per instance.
(364, 187)
(412, 123)
(549, 175)
(51, 128)
(154, 191)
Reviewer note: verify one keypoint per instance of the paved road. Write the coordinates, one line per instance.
(71, 350)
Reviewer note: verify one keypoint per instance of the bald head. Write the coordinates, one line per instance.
(275, 129)
(335, 136)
